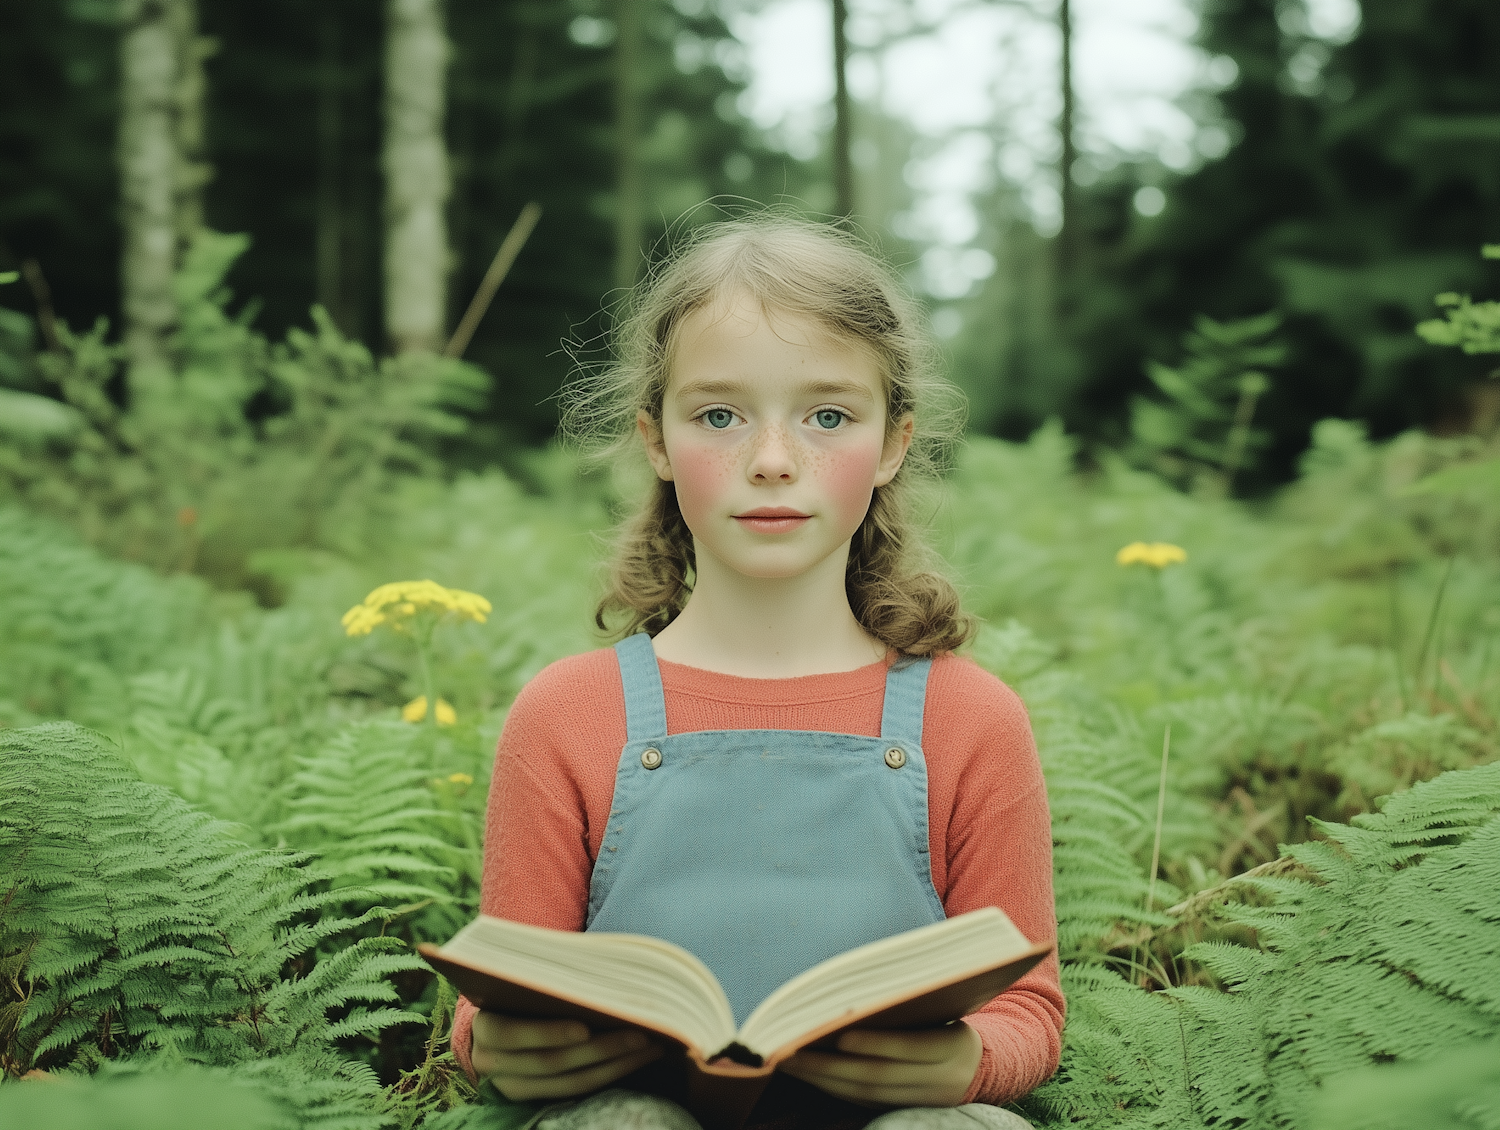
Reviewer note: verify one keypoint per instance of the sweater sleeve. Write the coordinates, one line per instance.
(537, 854)
(999, 853)
(1021, 1029)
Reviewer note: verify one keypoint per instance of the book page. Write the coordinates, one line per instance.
(890, 969)
(649, 981)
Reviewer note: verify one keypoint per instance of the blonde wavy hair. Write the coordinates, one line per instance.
(820, 272)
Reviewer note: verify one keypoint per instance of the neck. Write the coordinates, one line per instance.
(769, 628)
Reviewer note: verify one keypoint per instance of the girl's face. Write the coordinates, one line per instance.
(775, 435)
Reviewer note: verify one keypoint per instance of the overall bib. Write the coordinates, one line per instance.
(765, 852)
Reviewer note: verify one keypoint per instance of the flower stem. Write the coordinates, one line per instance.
(423, 637)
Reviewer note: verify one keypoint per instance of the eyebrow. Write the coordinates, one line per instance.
(712, 387)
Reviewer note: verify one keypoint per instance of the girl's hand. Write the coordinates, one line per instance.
(554, 1059)
(928, 1068)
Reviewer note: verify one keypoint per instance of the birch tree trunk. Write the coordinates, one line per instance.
(630, 192)
(416, 176)
(148, 158)
(193, 172)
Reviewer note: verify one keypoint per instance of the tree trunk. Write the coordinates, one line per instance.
(843, 126)
(193, 172)
(148, 157)
(328, 233)
(629, 181)
(416, 176)
(1067, 236)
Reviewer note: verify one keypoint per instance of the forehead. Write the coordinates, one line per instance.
(738, 326)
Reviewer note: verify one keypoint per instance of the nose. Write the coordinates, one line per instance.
(773, 458)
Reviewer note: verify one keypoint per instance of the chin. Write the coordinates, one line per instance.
(762, 571)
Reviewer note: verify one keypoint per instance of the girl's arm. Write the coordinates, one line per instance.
(986, 784)
(1021, 1029)
(991, 841)
(557, 754)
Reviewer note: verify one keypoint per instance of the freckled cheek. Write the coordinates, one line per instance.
(702, 476)
(849, 480)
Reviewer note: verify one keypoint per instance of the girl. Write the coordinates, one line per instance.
(784, 758)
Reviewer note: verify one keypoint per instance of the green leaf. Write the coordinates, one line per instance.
(1461, 479)
(26, 416)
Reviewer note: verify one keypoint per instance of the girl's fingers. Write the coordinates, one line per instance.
(507, 1033)
(935, 1046)
(549, 1062)
(932, 1068)
(562, 1086)
(862, 1070)
(866, 1095)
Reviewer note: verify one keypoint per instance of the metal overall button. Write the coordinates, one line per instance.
(651, 758)
(895, 757)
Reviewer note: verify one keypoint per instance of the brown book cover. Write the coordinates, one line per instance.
(721, 1086)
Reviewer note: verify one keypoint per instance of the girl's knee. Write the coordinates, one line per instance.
(618, 1109)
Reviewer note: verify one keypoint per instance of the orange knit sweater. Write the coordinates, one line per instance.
(989, 831)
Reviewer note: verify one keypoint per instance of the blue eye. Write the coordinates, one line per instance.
(718, 417)
(828, 418)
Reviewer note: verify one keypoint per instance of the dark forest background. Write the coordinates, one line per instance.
(1361, 181)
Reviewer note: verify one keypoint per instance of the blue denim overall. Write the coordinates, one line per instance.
(764, 852)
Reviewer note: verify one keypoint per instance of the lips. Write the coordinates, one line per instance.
(771, 519)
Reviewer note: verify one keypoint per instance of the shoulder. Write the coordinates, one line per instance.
(977, 728)
(574, 676)
(959, 685)
(580, 687)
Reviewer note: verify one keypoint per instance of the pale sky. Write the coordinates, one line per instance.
(980, 80)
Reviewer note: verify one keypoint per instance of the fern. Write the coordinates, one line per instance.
(302, 1092)
(1456, 1090)
(1204, 421)
(78, 626)
(1389, 951)
(173, 1100)
(394, 813)
(143, 924)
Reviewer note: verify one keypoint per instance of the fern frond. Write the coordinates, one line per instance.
(147, 924)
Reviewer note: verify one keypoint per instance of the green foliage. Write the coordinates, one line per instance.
(293, 133)
(174, 477)
(168, 1100)
(394, 819)
(1204, 424)
(1458, 1091)
(1387, 950)
(1354, 179)
(141, 924)
(1312, 653)
(1473, 327)
(78, 628)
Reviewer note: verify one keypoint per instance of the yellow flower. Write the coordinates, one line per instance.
(1157, 554)
(460, 779)
(398, 601)
(416, 710)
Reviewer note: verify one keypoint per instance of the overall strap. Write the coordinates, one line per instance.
(905, 696)
(645, 704)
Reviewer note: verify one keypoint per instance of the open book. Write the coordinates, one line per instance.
(922, 978)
